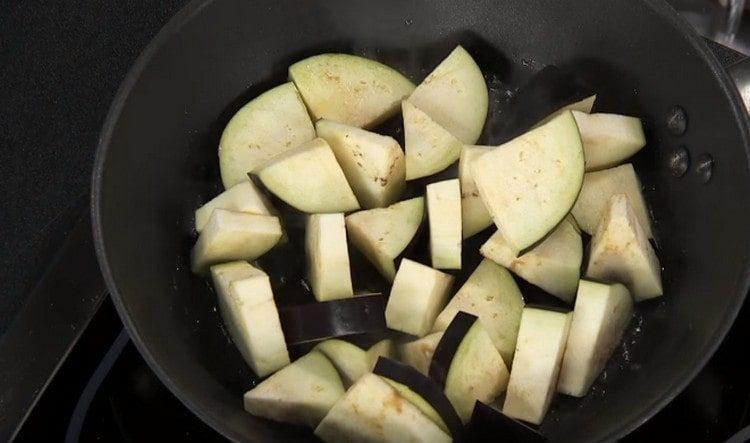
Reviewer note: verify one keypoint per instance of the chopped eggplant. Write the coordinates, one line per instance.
(430, 148)
(373, 411)
(582, 106)
(609, 139)
(455, 96)
(530, 183)
(417, 295)
(349, 89)
(301, 393)
(373, 164)
(621, 252)
(336, 318)
(490, 425)
(491, 294)
(599, 187)
(242, 197)
(383, 348)
(474, 215)
(444, 216)
(328, 257)
(232, 236)
(554, 264)
(309, 179)
(350, 360)
(418, 353)
(468, 365)
(536, 364)
(270, 124)
(247, 306)
(600, 316)
(422, 392)
(382, 234)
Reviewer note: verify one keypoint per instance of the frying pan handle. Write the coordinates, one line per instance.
(740, 73)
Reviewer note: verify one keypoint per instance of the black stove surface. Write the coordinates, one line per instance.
(103, 390)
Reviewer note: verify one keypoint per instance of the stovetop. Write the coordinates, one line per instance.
(90, 384)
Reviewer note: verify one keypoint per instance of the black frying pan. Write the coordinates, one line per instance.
(157, 162)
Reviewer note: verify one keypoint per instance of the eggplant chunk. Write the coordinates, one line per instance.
(247, 306)
(374, 411)
(301, 393)
(599, 187)
(417, 296)
(328, 257)
(382, 234)
(444, 217)
(270, 124)
(536, 364)
(422, 392)
(349, 89)
(491, 294)
(455, 95)
(350, 360)
(553, 265)
(232, 236)
(609, 139)
(242, 197)
(309, 179)
(621, 252)
(601, 314)
(372, 163)
(418, 353)
(530, 183)
(468, 365)
(430, 148)
(474, 215)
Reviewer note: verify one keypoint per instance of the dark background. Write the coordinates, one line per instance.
(61, 63)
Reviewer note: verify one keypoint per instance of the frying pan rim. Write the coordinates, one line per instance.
(189, 11)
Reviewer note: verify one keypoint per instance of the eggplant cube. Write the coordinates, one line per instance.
(444, 215)
(608, 139)
(418, 353)
(374, 411)
(242, 197)
(268, 125)
(301, 393)
(536, 364)
(349, 89)
(328, 257)
(232, 236)
(455, 95)
(309, 179)
(621, 252)
(417, 295)
(601, 314)
(373, 163)
(382, 234)
(491, 294)
(468, 365)
(474, 215)
(599, 187)
(530, 183)
(247, 306)
(430, 148)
